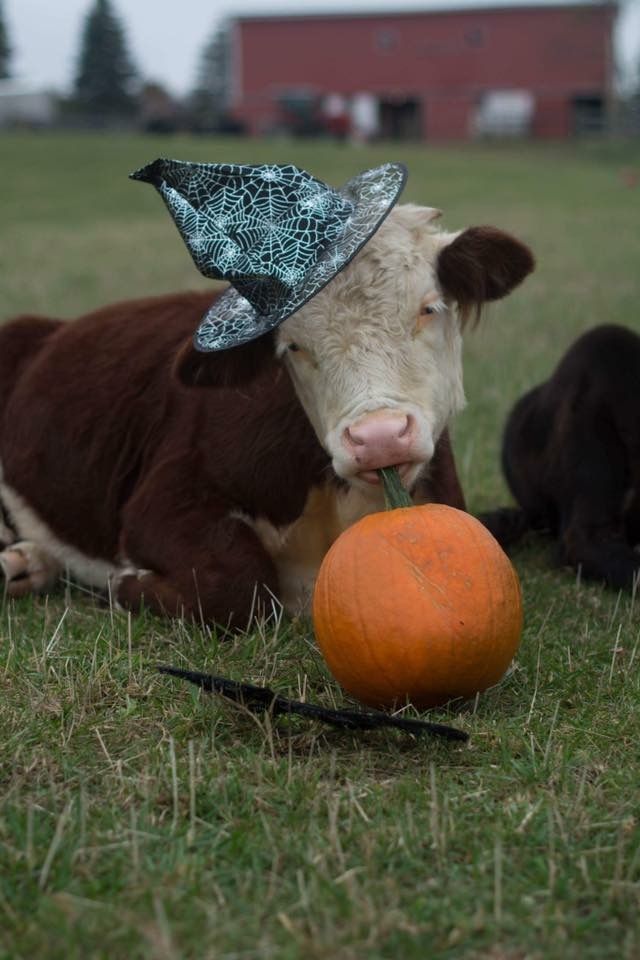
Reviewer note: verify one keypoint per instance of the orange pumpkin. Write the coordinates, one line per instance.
(417, 604)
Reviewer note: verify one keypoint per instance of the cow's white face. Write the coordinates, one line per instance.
(376, 355)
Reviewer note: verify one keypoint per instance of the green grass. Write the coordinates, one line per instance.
(138, 819)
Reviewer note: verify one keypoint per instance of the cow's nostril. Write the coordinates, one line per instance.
(353, 438)
(405, 428)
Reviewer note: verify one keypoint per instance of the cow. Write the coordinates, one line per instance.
(571, 457)
(204, 485)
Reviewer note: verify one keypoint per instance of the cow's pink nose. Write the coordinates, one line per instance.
(379, 439)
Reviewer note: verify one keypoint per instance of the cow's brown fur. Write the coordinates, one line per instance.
(127, 464)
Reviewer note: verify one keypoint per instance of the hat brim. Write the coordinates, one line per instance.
(232, 320)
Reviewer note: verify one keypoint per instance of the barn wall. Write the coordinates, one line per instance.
(445, 60)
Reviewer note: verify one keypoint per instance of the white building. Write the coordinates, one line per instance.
(25, 106)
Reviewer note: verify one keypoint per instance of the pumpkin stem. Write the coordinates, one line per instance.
(395, 494)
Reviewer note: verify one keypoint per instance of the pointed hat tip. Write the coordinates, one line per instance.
(151, 173)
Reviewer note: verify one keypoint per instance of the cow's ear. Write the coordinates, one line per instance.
(481, 264)
(223, 368)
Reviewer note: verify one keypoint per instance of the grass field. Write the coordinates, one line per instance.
(140, 820)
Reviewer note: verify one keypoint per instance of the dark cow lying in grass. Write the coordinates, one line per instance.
(191, 481)
(571, 456)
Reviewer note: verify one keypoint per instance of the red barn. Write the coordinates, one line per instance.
(546, 71)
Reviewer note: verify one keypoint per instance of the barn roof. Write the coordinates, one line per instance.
(434, 7)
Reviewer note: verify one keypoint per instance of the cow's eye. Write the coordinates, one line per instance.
(303, 354)
(427, 309)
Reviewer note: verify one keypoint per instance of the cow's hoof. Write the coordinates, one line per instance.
(27, 569)
(13, 566)
(13, 563)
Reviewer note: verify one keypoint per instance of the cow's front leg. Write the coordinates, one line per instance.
(592, 529)
(222, 581)
(600, 550)
(191, 559)
(27, 568)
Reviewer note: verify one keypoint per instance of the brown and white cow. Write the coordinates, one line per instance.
(192, 482)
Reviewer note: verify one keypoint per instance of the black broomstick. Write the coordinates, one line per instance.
(262, 700)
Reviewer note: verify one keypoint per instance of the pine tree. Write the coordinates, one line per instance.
(105, 75)
(5, 47)
(211, 97)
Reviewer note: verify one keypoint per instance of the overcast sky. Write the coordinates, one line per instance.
(165, 38)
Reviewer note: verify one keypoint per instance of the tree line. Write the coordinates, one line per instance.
(108, 89)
